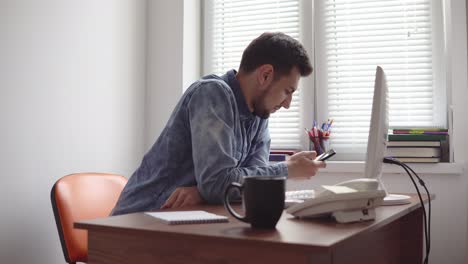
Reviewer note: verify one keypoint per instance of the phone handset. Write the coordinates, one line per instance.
(359, 185)
(348, 201)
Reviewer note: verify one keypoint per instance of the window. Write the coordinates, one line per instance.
(230, 25)
(350, 38)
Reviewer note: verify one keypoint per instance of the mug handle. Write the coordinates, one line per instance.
(227, 205)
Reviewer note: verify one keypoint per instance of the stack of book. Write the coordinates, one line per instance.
(422, 145)
(280, 155)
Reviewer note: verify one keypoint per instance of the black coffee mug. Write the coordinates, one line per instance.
(263, 200)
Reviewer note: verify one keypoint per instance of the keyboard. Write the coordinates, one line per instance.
(295, 197)
(291, 197)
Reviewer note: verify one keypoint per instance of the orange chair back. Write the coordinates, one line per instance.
(82, 196)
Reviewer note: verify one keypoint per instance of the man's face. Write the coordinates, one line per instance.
(276, 95)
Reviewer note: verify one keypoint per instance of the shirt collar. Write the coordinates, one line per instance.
(231, 80)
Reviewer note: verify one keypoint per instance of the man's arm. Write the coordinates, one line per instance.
(260, 151)
(300, 165)
(183, 196)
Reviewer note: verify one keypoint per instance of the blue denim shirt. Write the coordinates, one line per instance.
(210, 140)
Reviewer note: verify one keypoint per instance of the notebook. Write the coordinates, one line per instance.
(188, 217)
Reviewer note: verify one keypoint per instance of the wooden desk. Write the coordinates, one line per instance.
(396, 236)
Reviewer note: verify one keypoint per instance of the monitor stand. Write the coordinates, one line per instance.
(396, 199)
(393, 199)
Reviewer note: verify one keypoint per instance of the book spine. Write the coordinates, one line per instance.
(416, 137)
(445, 151)
(421, 129)
(413, 143)
(277, 157)
(407, 132)
(418, 160)
(283, 151)
(416, 152)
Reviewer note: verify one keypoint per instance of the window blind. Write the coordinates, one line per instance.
(230, 25)
(355, 37)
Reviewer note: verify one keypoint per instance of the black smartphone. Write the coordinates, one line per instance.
(326, 155)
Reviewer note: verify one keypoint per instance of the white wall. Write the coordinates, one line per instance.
(466, 16)
(458, 192)
(173, 58)
(164, 65)
(72, 77)
(192, 45)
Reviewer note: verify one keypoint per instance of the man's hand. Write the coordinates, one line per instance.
(183, 196)
(303, 165)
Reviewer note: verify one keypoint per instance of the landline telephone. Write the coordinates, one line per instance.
(349, 201)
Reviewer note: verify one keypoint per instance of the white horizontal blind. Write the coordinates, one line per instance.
(230, 25)
(357, 36)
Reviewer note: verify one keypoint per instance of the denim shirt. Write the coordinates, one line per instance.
(210, 140)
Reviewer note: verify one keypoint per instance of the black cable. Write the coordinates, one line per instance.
(426, 219)
(392, 161)
(426, 235)
(421, 182)
(429, 200)
(425, 222)
(428, 226)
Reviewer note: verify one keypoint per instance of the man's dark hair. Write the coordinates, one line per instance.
(278, 49)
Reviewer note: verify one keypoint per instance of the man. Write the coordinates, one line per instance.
(218, 132)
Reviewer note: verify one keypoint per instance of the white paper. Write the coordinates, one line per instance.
(182, 217)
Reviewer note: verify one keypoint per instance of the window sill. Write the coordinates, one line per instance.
(420, 168)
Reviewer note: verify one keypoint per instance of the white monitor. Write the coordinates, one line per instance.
(377, 140)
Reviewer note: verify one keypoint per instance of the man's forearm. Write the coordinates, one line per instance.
(212, 189)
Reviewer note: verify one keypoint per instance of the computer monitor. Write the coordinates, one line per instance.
(377, 139)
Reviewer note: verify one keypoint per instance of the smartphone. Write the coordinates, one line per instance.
(326, 155)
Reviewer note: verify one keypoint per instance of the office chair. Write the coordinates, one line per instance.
(82, 196)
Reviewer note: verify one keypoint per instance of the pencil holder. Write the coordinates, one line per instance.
(325, 143)
(314, 145)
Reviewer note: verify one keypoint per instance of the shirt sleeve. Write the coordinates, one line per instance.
(212, 114)
(259, 154)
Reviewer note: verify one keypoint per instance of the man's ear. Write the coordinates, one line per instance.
(265, 75)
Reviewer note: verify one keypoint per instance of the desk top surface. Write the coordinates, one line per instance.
(306, 232)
